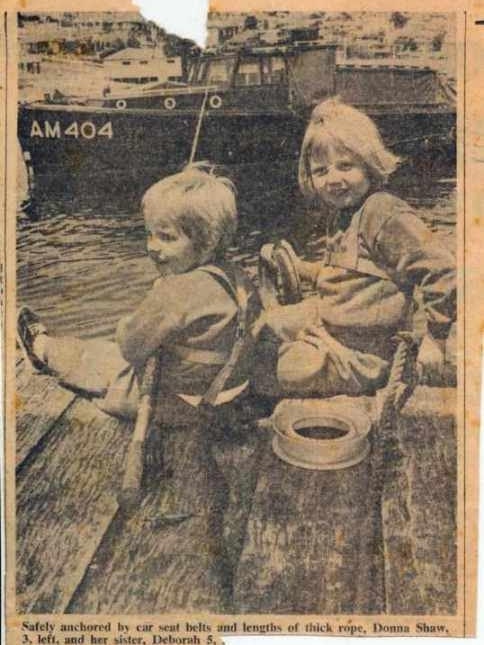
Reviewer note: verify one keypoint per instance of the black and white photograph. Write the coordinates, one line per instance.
(236, 320)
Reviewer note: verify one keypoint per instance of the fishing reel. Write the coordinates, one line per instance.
(279, 281)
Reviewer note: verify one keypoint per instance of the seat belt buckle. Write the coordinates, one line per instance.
(239, 333)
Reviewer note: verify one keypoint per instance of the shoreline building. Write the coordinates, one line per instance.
(142, 65)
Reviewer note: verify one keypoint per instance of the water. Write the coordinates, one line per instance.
(83, 268)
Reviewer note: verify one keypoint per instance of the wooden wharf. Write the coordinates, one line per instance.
(251, 534)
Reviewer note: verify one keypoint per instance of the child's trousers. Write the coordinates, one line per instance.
(97, 370)
(328, 369)
(319, 366)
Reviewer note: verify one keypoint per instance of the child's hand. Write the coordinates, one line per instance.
(431, 359)
(308, 270)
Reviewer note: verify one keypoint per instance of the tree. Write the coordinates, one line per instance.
(413, 45)
(133, 42)
(405, 43)
(250, 22)
(399, 19)
(183, 47)
(438, 41)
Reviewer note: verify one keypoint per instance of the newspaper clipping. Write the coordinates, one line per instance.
(241, 323)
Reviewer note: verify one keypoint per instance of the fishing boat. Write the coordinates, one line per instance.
(250, 107)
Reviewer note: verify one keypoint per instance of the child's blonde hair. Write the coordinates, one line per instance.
(345, 126)
(201, 203)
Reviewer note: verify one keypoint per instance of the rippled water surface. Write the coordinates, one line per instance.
(83, 268)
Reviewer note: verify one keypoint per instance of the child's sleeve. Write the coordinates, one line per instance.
(405, 248)
(157, 319)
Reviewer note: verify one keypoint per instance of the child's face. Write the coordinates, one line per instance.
(339, 178)
(168, 246)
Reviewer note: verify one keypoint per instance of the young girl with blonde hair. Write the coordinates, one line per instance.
(376, 254)
(189, 318)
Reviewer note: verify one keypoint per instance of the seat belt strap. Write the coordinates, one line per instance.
(240, 296)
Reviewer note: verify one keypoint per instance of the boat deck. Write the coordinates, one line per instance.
(261, 536)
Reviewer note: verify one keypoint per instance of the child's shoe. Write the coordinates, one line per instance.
(28, 328)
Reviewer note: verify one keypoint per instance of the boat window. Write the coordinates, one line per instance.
(220, 71)
(274, 70)
(248, 72)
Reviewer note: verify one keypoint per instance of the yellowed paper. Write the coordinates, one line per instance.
(336, 494)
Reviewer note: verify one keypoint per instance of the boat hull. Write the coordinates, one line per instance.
(78, 147)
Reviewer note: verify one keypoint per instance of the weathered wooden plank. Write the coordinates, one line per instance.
(65, 503)
(419, 507)
(238, 456)
(39, 403)
(310, 545)
(150, 562)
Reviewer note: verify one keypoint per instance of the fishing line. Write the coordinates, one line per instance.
(199, 126)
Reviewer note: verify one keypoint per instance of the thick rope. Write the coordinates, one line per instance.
(386, 448)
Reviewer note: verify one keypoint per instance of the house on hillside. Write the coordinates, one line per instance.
(142, 65)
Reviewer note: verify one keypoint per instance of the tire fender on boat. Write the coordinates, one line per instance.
(215, 101)
(121, 104)
(169, 103)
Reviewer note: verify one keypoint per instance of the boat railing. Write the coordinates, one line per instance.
(170, 91)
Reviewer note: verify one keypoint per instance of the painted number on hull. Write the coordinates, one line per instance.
(76, 129)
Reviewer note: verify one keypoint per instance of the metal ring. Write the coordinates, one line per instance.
(121, 104)
(169, 103)
(215, 101)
